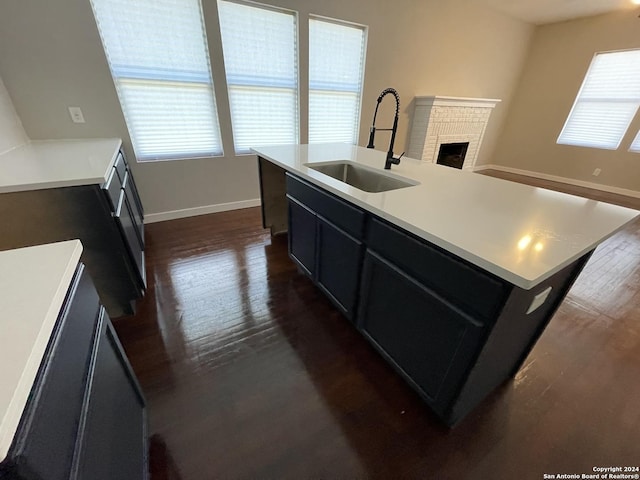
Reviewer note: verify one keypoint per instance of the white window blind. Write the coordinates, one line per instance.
(336, 70)
(635, 146)
(158, 55)
(607, 102)
(261, 63)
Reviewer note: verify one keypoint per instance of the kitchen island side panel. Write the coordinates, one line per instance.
(273, 198)
(512, 338)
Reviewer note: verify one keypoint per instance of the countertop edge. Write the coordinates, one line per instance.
(61, 183)
(56, 184)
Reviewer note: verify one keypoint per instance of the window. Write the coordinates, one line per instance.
(606, 103)
(336, 70)
(635, 146)
(261, 64)
(158, 56)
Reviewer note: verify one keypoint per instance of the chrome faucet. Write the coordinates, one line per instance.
(391, 160)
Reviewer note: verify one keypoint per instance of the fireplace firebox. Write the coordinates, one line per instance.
(452, 154)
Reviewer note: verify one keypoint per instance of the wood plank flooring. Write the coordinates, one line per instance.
(250, 373)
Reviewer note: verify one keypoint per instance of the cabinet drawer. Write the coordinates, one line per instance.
(46, 438)
(112, 188)
(134, 190)
(346, 216)
(478, 293)
(120, 166)
(135, 210)
(134, 196)
(124, 218)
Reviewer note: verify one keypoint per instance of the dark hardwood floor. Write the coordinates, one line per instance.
(250, 373)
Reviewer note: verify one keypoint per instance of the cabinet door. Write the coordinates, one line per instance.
(113, 442)
(339, 261)
(429, 342)
(302, 236)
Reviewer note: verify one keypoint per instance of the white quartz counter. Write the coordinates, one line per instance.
(33, 285)
(57, 163)
(520, 233)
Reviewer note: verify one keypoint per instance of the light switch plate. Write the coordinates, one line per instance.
(76, 114)
(538, 300)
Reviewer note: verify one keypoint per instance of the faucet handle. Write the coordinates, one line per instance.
(396, 160)
(391, 160)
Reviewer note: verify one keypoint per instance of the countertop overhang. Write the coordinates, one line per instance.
(33, 286)
(57, 163)
(519, 233)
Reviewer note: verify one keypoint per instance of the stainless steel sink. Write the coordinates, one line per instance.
(361, 178)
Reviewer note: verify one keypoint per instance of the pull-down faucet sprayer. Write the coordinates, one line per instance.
(391, 160)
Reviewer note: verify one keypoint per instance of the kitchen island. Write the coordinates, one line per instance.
(452, 278)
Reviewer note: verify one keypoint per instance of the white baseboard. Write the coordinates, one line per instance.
(192, 212)
(555, 178)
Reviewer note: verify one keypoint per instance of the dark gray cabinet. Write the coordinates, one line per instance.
(131, 194)
(338, 269)
(112, 442)
(302, 240)
(108, 219)
(323, 242)
(454, 331)
(85, 418)
(44, 445)
(128, 223)
(479, 293)
(128, 215)
(427, 339)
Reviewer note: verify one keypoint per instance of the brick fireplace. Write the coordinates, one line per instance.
(440, 121)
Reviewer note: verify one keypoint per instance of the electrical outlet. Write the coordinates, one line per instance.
(596, 172)
(76, 114)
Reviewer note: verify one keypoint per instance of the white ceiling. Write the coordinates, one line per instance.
(549, 11)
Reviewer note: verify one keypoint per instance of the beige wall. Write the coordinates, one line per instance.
(12, 134)
(556, 65)
(51, 57)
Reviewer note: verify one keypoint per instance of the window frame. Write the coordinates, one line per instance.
(296, 48)
(365, 45)
(153, 76)
(579, 101)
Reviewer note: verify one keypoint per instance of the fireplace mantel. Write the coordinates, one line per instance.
(439, 120)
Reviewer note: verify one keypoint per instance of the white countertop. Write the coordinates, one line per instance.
(33, 285)
(57, 163)
(520, 233)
